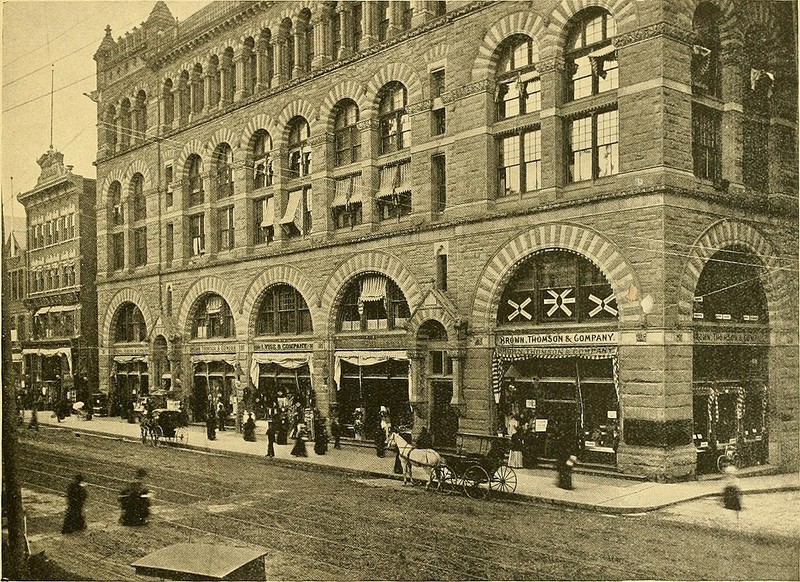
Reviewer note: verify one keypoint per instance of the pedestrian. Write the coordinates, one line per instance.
(565, 457)
(731, 494)
(221, 414)
(211, 426)
(34, 422)
(528, 446)
(299, 448)
(270, 438)
(336, 432)
(134, 500)
(321, 438)
(380, 443)
(74, 519)
(250, 428)
(515, 455)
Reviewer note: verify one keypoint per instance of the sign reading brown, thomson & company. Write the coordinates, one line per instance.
(571, 338)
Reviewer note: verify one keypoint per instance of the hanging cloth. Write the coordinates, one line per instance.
(373, 288)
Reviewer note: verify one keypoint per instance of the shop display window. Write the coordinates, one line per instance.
(373, 302)
(362, 392)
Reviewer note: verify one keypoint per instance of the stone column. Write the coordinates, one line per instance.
(458, 356)
(279, 187)
(369, 171)
(279, 61)
(395, 19)
(208, 80)
(422, 12)
(176, 107)
(418, 391)
(731, 126)
(369, 28)
(322, 42)
(262, 76)
(241, 86)
(226, 82)
(344, 14)
(118, 133)
(299, 51)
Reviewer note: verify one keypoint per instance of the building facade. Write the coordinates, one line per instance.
(456, 214)
(14, 259)
(59, 348)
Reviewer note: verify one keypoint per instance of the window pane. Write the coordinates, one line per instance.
(594, 30)
(611, 79)
(607, 138)
(582, 79)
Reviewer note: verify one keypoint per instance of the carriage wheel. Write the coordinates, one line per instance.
(156, 434)
(181, 435)
(445, 480)
(476, 482)
(504, 480)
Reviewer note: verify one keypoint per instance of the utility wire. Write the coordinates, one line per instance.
(28, 53)
(29, 73)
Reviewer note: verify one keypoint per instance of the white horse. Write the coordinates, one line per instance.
(411, 456)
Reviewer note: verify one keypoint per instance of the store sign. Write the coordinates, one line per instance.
(731, 336)
(578, 338)
(212, 349)
(283, 347)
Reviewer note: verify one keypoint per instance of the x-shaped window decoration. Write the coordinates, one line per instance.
(519, 309)
(559, 301)
(602, 305)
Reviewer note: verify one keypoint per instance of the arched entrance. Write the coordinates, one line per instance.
(731, 344)
(438, 370)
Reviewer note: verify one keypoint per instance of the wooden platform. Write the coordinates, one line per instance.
(188, 561)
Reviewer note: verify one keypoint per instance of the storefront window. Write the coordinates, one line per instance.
(282, 391)
(373, 302)
(213, 383)
(729, 289)
(213, 318)
(283, 311)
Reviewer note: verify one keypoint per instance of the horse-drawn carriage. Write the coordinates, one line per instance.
(165, 424)
(477, 474)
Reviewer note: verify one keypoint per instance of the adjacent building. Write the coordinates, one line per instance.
(14, 260)
(59, 336)
(462, 215)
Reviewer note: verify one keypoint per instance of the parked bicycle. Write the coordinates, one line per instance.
(729, 457)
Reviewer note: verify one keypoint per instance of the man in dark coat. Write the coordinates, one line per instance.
(74, 519)
(135, 501)
(424, 440)
(222, 415)
(270, 438)
(336, 432)
(321, 438)
(211, 426)
(565, 454)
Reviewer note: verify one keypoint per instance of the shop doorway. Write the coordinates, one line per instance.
(444, 421)
(212, 384)
(363, 390)
(281, 391)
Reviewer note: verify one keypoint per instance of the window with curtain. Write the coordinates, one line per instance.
(593, 146)
(299, 148)
(264, 220)
(139, 202)
(706, 71)
(262, 162)
(130, 326)
(115, 195)
(590, 56)
(395, 130)
(372, 302)
(283, 311)
(212, 318)
(195, 180)
(520, 163)
(518, 88)
(223, 168)
(347, 138)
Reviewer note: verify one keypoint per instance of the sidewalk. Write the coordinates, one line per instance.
(600, 493)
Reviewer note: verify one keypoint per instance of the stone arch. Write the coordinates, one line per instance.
(194, 146)
(527, 23)
(372, 261)
(726, 233)
(125, 295)
(138, 167)
(392, 72)
(272, 276)
(436, 54)
(291, 11)
(580, 239)
(113, 176)
(222, 135)
(348, 89)
(297, 107)
(436, 313)
(260, 121)
(625, 13)
(208, 284)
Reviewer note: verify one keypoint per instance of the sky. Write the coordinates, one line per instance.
(63, 36)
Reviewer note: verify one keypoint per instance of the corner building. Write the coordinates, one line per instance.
(571, 212)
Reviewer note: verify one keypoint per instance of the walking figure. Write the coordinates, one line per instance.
(731, 494)
(270, 438)
(336, 432)
(134, 500)
(211, 426)
(249, 429)
(74, 519)
(34, 422)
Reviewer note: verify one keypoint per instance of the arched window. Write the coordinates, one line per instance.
(194, 182)
(706, 77)
(591, 58)
(115, 196)
(556, 286)
(394, 126)
(215, 91)
(250, 62)
(372, 301)
(168, 99)
(223, 168)
(198, 93)
(137, 193)
(184, 104)
(130, 325)
(346, 136)
(283, 311)
(299, 148)
(730, 290)
(262, 160)
(141, 116)
(518, 88)
(125, 124)
(110, 126)
(212, 318)
(287, 33)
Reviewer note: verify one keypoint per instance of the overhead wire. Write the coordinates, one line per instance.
(28, 53)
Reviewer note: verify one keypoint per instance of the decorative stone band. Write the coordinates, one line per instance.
(654, 31)
(482, 86)
(368, 124)
(552, 64)
(320, 139)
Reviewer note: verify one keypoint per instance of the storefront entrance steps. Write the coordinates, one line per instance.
(604, 493)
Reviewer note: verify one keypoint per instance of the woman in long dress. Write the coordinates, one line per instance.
(74, 519)
(515, 456)
(299, 448)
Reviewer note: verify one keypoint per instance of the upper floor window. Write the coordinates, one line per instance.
(264, 220)
(118, 251)
(212, 318)
(115, 195)
(519, 88)
(394, 191)
(594, 146)
(168, 98)
(299, 148)
(195, 180)
(706, 144)
(346, 207)
(373, 301)
(706, 77)
(347, 138)
(262, 160)
(395, 129)
(223, 168)
(130, 326)
(297, 219)
(125, 123)
(197, 234)
(591, 58)
(283, 311)
(556, 286)
(139, 202)
(520, 163)
(382, 9)
(141, 116)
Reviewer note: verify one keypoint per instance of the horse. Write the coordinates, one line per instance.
(411, 456)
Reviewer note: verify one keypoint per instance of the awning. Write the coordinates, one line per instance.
(209, 358)
(598, 58)
(373, 288)
(63, 308)
(50, 352)
(291, 361)
(268, 212)
(364, 358)
(348, 191)
(43, 310)
(294, 209)
(129, 359)
(213, 305)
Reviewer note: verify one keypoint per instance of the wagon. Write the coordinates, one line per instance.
(172, 424)
(477, 474)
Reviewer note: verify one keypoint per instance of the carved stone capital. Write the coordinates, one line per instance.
(549, 65)
(419, 107)
(482, 86)
(316, 140)
(367, 124)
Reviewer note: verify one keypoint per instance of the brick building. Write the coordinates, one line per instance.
(14, 264)
(60, 344)
(575, 213)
